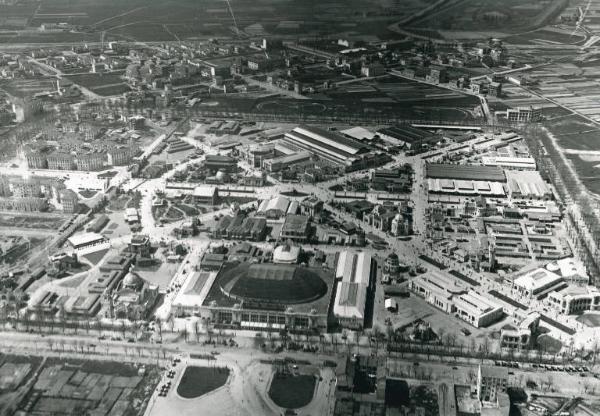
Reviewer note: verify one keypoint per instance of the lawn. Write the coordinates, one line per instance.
(548, 344)
(589, 319)
(96, 256)
(188, 210)
(290, 391)
(197, 381)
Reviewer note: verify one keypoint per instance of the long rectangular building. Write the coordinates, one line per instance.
(326, 144)
(454, 297)
(465, 172)
(353, 273)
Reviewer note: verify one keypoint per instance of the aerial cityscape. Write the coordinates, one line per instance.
(300, 207)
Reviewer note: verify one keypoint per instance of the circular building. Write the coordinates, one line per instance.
(272, 283)
(286, 254)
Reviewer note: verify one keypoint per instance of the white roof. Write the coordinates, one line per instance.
(85, 238)
(537, 278)
(279, 203)
(205, 191)
(350, 300)
(286, 254)
(516, 162)
(354, 270)
(131, 212)
(475, 303)
(359, 133)
(354, 267)
(570, 267)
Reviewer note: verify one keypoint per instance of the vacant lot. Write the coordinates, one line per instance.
(197, 381)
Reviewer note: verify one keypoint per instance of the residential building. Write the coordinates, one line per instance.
(491, 381)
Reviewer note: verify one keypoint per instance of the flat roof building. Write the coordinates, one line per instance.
(295, 228)
(575, 300)
(538, 283)
(453, 297)
(477, 309)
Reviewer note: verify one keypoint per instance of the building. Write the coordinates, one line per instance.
(286, 254)
(465, 172)
(206, 194)
(219, 162)
(392, 180)
(311, 206)
(88, 242)
(509, 162)
(133, 299)
(131, 215)
(575, 300)
(354, 283)
(69, 201)
(524, 114)
(476, 309)
(522, 335)
(446, 293)
(241, 227)
(259, 296)
(528, 185)
(273, 208)
(280, 163)
(538, 283)
(328, 145)
(295, 228)
(491, 381)
(409, 137)
(140, 245)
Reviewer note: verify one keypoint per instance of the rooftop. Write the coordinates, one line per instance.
(465, 172)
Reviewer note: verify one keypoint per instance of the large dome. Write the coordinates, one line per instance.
(273, 283)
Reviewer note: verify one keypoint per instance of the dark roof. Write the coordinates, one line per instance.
(409, 134)
(465, 172)
(272, 283)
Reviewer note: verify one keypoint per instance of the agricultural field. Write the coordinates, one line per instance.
(506, 16)
(41, 222)
(73, 386)
(102, 84)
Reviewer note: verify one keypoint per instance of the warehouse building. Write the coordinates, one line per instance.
(88, 242)
(273, 208)
(465, 172)
(476, 309)
(409, 137)
(511, 163)
(206, 194)
(528, 185)
(354, 275)
(328, 145)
